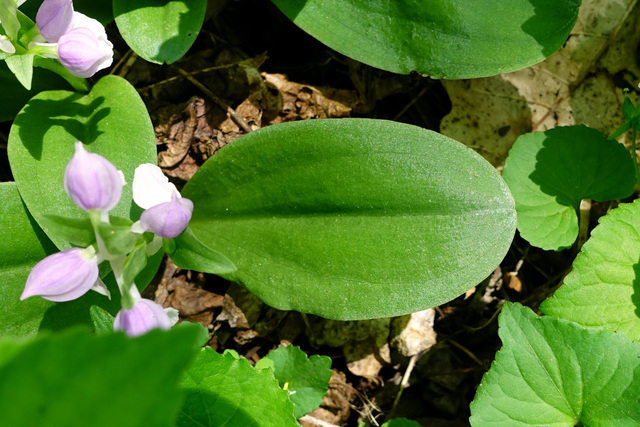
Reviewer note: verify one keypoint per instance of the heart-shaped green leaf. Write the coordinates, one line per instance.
(159, 30)
(305, 378)
(352, 218)
(603, 288)
(550, 172)
(111, 121)
(451, 39)
(554, 372)
(222, 390)
(77, 379)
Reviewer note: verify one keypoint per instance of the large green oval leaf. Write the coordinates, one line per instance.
(111, 120)
(550, 172)
(159, 30)
(603, 289)
(451, 39)
(555, 373)
(352, 218)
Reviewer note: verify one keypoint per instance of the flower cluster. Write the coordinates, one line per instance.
(95, 185)
(77, 41)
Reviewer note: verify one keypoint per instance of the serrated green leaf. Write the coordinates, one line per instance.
(111, 121)
(306, 379)
(602, 289)
(352, 218)
(22, 67)
(554, 372)
(102, 320)
(76, 379)
(159, 31)
(189, 253)
(450, 39)
(550, 172)
(218, 387)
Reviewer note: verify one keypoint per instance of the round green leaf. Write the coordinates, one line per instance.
(352, 218)
(111, 120)
(550, 172)
(555, 373)
(451, 39)
(603, 288)
(221, 390)
(159, 30)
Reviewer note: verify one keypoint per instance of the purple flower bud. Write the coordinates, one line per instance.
(84, 51)
(144, 316)
(63, 276)
(168, 219)
(92, 181)
(54, 18)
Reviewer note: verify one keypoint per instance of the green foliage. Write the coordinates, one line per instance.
(550, 172)
(554, 372)
(305, 378)
(111, 120)
(351, 218)
(190, 253)
(603, 288)
(451, 39)
(400, 422)
(159, 31)
(101, 319)
(222, 390)
(77, 379)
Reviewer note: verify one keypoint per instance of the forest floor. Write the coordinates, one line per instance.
(251, 67)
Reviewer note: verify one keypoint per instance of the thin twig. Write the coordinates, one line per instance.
(234, 116)
(313, 420)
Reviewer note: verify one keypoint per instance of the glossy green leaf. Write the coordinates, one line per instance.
(191, 254)
(305, 378)
(451, 39)
(603, 288)
(554, 372)
(224, 391)
(159, 30)
(352, 218)
(550, 172)
(77, 379)
(111, 121)
(22, 245)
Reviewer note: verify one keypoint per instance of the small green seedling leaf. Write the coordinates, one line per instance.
(550, 172)
(218, 387)
(77, 379)
(554, 372)
(451, 39)
(602, 289)
(306, 379)
(352, 218)
(111, 121)
(102, 320)
(159, 31)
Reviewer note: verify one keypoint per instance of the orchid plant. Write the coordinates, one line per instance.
(315, 216)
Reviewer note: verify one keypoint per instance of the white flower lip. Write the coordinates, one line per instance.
(151, 187)
(63, 276)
